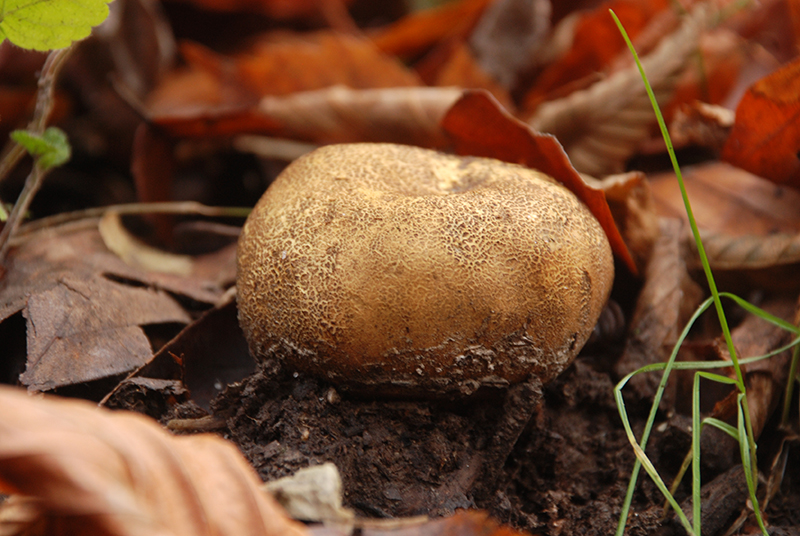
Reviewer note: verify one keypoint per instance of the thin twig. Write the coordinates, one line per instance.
(44, 105)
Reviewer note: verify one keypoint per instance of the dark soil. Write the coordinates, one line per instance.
(552, 460)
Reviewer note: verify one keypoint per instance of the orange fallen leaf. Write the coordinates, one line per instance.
(455, 65)
(95, 472)
(479, 126)
(765, 138)
(281, 63)
(596, 43)
(421, 30)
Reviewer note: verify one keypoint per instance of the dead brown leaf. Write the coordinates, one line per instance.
(631, 202)
(85, 308)
(119, 474)
(746, 222)
(340, 115)
(666, 301)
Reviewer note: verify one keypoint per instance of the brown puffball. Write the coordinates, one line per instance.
(403, 270)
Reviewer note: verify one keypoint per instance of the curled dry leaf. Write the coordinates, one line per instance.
(119, 474)
(136, 253)
(631, 202)
(602, 126)
(340, 115)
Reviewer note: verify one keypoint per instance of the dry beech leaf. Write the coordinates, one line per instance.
(746, 222)
(602, 126)
(216, 95)
(95, 472)
(666, 301)
(765, 138)
(340, 115)
(334, 115)
(479, 126)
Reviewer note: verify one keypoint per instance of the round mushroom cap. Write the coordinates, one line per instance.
(402, 270)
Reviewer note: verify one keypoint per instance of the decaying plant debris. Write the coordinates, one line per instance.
(138, 312)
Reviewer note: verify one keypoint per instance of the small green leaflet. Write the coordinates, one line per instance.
(48, 24)
(51, 149)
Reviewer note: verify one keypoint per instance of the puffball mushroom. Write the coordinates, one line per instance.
(398, 269)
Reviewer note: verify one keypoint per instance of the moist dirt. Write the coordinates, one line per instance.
(550, 460)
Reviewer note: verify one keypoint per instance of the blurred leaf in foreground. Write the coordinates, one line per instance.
(97, 472)
(50, 24)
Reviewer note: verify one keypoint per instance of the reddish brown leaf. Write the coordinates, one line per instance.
(119, 474)
(216, 95)
(765, 139)
(478, 126)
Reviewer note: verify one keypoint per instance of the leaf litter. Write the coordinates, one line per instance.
(553, 459)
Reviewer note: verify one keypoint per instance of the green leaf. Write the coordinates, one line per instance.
(48, 24)
(51, 148)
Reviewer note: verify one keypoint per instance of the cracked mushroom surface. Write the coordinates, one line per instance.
(401, 270)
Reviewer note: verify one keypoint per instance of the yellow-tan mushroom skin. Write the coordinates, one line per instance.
(403, 270)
